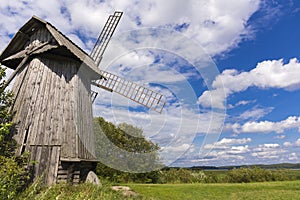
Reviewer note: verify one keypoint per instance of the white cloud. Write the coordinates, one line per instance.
(255, 113)
(268, 126)
(293, 157)
(229, 150)
(292, 144)
(226, 143)
(268, 151)
(238, 149)
(213, 98)
(280, 137)
(267, 74)
(298, 143)
(287, 144)
(182, 147)
(271, 145)
(217, 25)
(241, 103)
(246, 154)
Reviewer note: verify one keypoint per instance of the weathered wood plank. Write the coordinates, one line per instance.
(37, 86)
(42, 116)
(72, 109)
(39, 95)
(25, 105)
(50, 105)
(56, 110)
(53, 165)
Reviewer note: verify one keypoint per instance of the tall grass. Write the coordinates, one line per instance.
(65, 191)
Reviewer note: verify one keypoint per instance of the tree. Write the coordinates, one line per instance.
(6, 143)
(123, 144)
(13, 176)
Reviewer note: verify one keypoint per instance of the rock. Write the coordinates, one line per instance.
(93, 178)
(118, 188)
(126, 191)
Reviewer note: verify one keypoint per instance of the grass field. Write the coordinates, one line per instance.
(269, 190)
(289, 190)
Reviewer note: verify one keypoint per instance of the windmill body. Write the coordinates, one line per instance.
(53, 108)
(53, 98)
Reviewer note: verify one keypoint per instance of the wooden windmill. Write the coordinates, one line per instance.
(53, 97)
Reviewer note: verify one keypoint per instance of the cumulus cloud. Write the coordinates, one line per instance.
(226, 150)
(266, 126)
(268, 151)
(293, 157)
(255, 113)
(217, 25)
(287, 144)
(280, 137)
(241, 103)
(249, 154)
(227, 143)
(267, 74)
(292, 144)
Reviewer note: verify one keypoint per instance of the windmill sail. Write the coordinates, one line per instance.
(105, 36)
(131, 90)
(114, 83)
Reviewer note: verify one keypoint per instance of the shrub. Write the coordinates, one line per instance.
(256, 174)
(13, 176)
(181, 175)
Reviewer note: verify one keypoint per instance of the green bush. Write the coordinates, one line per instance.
(256, 174)
(181, 175)
(13, 176)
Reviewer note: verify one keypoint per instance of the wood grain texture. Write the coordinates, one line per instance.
(53, 110)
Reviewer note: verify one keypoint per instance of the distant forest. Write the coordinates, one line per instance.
(262, 166)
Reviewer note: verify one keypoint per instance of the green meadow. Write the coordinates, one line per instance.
(266, 190)
(289, 190)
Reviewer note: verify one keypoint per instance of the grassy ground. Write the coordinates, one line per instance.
(73, 192)
(269, 190)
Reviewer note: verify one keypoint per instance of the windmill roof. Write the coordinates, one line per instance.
(11, 55)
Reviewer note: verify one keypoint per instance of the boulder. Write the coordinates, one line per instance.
(93, 178)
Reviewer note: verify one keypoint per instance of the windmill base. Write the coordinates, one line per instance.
(74, 172)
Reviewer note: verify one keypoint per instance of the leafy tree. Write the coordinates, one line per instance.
(7, 145)
(12, 173)
(123, 144)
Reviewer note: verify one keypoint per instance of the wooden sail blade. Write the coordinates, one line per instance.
(105, 36)
(93, 95)
(131, 90)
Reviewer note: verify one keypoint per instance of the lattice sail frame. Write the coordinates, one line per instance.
(131, 90)
(114, 83)
(105, 36)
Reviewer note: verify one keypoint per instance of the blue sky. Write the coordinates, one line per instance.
(229, 72)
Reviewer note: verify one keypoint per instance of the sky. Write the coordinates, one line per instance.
(229, 72)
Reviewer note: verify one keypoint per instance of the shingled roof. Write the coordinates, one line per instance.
(12, 54)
